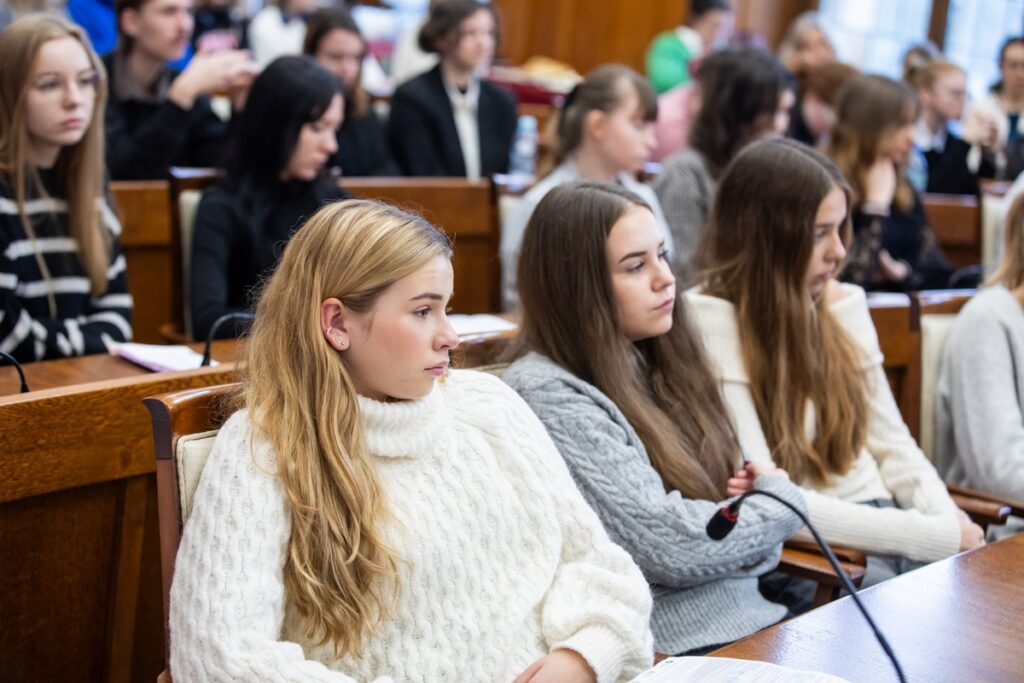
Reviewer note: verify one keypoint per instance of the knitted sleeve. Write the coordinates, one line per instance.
(228, 595)
(598, 603)
(664, 532)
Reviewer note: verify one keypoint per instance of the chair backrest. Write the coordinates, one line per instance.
(937, 311)
(186, 189)
(898, 337)
(956, 221)
(995, 202)
(184, 426)
(467, 211)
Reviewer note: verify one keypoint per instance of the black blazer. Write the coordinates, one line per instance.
(948, 172)
(422, 133)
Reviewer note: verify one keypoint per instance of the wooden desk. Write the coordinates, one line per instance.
(80, 584)
(955, 620)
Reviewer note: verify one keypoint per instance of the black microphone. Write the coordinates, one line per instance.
(21, 373)
(237, 315)
(725, 520)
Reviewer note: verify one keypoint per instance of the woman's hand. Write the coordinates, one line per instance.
(561, 666)
(880, 183)
(894, 270)
(743, 480)
(971, 535)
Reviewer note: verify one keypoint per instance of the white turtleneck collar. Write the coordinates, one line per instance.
(405, 429)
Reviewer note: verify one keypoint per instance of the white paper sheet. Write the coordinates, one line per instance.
(475, 325)
(157, 357)
(724, 670)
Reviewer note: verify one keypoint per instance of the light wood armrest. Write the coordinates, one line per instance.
(816, 567)
(849, 555)
(1016, 506)
(982, 512)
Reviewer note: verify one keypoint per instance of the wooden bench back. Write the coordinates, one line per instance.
(80, 569)
(956, 221)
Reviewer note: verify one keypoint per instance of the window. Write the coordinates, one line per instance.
(975, 30)
(873, 34)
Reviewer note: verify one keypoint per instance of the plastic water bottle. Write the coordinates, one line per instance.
(523, 164)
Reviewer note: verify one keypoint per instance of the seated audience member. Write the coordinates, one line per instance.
(62, 274)
(1002, 111)
(378, 519)
(157, 117)
(806, 44)
(800, 366)
(677, 109)
(217, 27)
(605, 132)
(335, 42)
(447, 121)
(243, 223)
(671, 54)
(979, 402)
(745, 95)
(952, 166)
(279, 29)
(811, 119)
(872, 140)
(616, 372)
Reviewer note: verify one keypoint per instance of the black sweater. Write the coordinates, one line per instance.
(363, 148)
(948, 172)
(907, 237)
(145, 138)
(238, 237)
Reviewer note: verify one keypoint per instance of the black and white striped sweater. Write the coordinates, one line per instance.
(84, 324)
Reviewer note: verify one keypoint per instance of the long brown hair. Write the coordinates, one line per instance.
(1010, 271)
(319, 26)
(80, 165)
(870, 107)
(755, 255)
(663, 385)
(339, 573)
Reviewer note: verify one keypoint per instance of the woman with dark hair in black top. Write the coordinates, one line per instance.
(274, 181)
(334, 40)
(448, 121)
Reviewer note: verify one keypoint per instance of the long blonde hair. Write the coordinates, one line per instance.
(755, 254)
(1010, 271)
(81, 165)
(300, 396)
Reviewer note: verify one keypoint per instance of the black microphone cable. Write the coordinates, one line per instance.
(725, 520)
(237, 315)
(17, 366)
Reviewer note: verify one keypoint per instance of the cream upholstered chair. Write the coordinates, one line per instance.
(935, 329)
(188, 204)
(185, 424)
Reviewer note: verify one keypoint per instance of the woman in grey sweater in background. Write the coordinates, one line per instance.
(979, 406)
(613, 368)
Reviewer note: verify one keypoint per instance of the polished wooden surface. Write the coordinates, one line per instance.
(66, 372)
(80, 581)
(954, 620)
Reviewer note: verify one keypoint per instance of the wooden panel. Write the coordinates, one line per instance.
(900, 341)
(584, 33)
(464, 209)
(956, 222)
(76, 526)
(148, 244)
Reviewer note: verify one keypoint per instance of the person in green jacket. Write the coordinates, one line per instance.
(670, 54)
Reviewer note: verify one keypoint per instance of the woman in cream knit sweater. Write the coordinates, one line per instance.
(360, 520)
(798, 359)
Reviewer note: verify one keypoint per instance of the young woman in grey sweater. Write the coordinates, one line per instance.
(613, 368)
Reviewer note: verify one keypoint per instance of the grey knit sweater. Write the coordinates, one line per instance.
(979, 402)
(705, 592)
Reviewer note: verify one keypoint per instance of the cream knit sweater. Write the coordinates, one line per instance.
(503, 561)
(890, 465)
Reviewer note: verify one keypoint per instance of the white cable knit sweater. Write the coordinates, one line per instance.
(889, 466)
(503, 560)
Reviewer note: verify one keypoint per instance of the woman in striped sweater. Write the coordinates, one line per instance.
(62, 273)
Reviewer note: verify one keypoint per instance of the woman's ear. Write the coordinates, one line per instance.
(333, 315)
(594, 124)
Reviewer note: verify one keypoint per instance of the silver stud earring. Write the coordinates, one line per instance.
(341, 342)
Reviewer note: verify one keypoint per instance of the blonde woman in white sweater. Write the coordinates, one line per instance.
(800, 365)
(362, 518)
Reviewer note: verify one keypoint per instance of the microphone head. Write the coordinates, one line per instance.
(722, 523)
